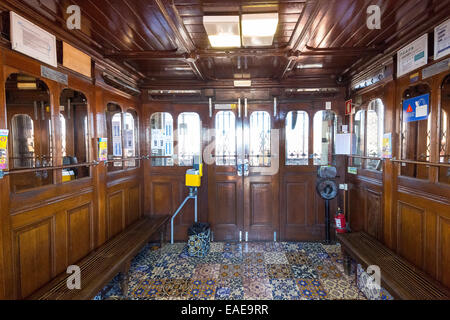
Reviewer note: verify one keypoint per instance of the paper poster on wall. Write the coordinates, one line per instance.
(3, 149)
(387, 146)
(29, 39)
(416, 109)
(442, 40)
(413, 56)
(102, 149)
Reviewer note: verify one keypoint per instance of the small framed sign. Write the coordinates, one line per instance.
(29, 39)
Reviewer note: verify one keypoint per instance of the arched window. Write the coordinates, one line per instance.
(260, 131)
(325, 129)
(375, 133)
(30, 123)
(130, 134)
(360, 133)
(225, 148)
(297, 138)
(122, 136)
(161, 124)
(189, 143)
(23, 141)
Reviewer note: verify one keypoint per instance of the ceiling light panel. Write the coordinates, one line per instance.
(223, 31)
(258, 29)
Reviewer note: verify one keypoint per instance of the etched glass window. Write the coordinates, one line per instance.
(360, 127)
(189, 142)
(130, 137)
(375, 133)
(225, 149)
(260, 130)
(161, 125)
(297, 138)
(325, 129)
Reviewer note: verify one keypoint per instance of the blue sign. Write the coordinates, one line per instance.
(416, 109)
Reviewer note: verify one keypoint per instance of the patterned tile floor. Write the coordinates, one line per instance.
(240, 271)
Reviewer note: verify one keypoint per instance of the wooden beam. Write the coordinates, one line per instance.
(176, 25)
(300, 33)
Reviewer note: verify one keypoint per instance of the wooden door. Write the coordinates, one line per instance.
(225, 184)
(243, 178)
(261, 171)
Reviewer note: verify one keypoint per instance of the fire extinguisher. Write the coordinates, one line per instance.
(340, 222)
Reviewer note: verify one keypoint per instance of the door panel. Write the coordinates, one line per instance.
(243, 190)
(225, 193)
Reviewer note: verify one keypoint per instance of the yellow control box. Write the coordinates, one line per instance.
(194, 177)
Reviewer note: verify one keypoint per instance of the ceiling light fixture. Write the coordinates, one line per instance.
(258, 29)
(223, 31)
(242, 83)
(310, 66)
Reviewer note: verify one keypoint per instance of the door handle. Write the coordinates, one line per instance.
(239, 168)
(246, 169)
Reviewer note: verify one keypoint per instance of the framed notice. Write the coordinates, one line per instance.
(29, 39)
(417, 108)
(413, 56)
(3, 149)
(102, 149)
(442, 40)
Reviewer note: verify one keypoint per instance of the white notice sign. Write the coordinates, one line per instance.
(413, 56)
(33, 41)
(442, 40)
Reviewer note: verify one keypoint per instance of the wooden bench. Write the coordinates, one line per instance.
(402, 279)
(103, 264)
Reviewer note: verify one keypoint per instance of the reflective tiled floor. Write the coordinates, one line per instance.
(240, 271)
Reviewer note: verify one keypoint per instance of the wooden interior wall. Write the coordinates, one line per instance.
(49, 228)
(411, 216)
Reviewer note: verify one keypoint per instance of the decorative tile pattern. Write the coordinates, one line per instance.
(204, 289)
(304, 271)
(253, 258)
(284, 289)
(228, 271)
(275, 258)
(230, 289)
(257, 289)
(238, 271)
(298, 257)
(216, 247)
(279, 271)
(339, 289)
(311, 290)
(206, 271)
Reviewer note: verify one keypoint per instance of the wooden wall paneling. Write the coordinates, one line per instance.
(61, 232)
(35, 256)
(6, 261)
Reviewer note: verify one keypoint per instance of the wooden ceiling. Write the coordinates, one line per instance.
(165, 44)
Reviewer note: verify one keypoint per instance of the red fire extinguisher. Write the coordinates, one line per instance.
(340, 222)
